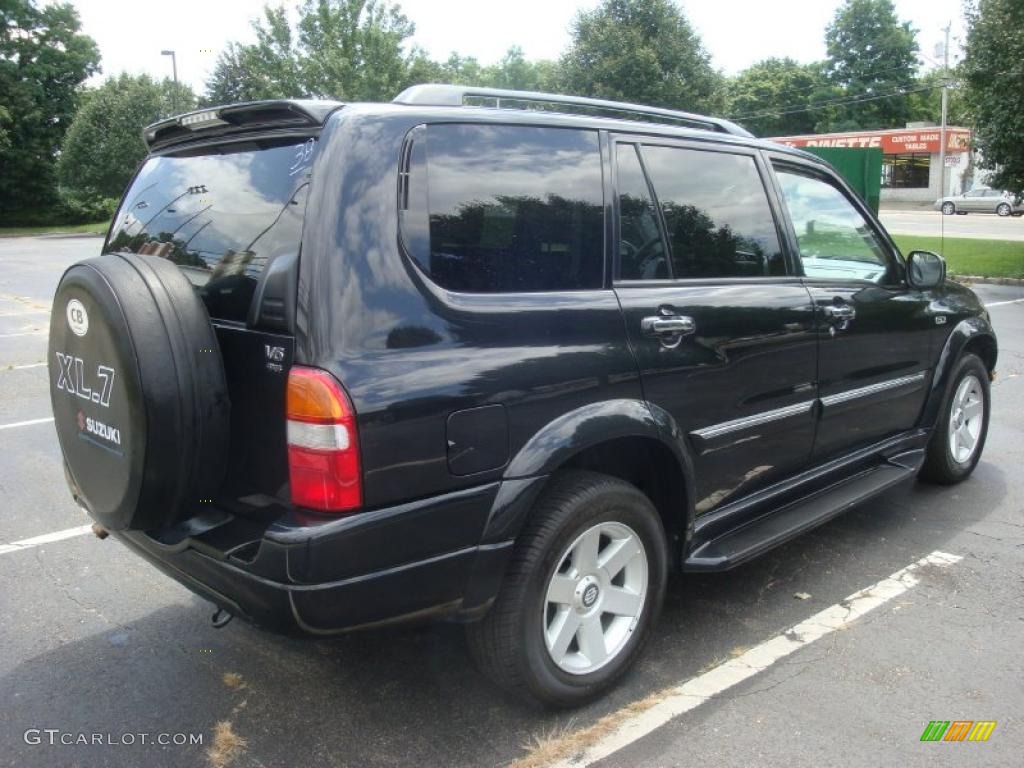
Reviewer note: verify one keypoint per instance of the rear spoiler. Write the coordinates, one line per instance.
(235, 118)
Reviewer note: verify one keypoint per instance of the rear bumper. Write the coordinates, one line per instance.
(416, 561)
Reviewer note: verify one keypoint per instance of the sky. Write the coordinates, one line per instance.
(735, 34)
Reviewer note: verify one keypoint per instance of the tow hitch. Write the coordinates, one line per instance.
(221, 618)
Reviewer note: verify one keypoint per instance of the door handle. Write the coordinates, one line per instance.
(668, 325)
(839, 311)
(839, 316)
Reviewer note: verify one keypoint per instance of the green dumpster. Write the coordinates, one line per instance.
(862, 169)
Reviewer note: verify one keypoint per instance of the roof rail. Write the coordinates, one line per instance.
(436, 95)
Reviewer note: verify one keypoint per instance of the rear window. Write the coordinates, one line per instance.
(220, 213)
(500, 209)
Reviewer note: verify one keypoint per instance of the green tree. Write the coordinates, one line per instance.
(342, 49)
(104, 144)
(926, 104)
(641, 51)
(871, 54)
(269, 68)
(353, 48)
(423, 69)
(43, 60)
(5, 136)
(515, 71)
(771, 97)
(993, 73)
(462, 70)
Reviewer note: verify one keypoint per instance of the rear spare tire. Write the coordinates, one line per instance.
(139, 396)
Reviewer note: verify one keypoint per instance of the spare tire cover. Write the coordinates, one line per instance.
(139, 396)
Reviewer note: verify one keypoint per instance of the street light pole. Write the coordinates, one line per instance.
(174, 69)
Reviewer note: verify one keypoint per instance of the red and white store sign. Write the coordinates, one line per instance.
(890, 142)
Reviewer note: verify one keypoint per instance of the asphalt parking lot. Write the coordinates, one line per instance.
(95, 641)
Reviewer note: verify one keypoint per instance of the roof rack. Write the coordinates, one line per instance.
(436, 95)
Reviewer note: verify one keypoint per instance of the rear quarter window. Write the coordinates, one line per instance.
(501, 209)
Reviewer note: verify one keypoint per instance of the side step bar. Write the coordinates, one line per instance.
(764, 533)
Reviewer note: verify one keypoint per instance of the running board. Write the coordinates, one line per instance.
(764, 533)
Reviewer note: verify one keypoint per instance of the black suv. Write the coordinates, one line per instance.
(501, 358)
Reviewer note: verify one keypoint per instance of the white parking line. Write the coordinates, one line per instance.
(23, 367)
(22, 333)
(28, 423)
(1002, 303)
(694, 692)
(46, 538)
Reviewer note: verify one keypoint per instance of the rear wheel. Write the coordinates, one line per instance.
(959, 438)
(580, 596)
(948, 209)
(1003, 209)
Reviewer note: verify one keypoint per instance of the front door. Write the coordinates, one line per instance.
(723, 332)
(874, 331)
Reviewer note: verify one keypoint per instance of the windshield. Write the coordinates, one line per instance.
(220, 213)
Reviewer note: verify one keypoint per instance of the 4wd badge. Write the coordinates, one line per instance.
(78, 318)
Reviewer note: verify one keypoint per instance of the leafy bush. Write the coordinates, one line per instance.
(104, 145)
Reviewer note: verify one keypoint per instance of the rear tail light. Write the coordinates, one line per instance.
(323, 452)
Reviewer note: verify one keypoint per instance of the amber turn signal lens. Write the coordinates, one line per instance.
(314, 396)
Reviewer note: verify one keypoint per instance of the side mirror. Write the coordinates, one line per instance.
(925, 269)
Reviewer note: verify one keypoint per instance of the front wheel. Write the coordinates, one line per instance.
(579, 599)
(948, 209)
(955, 446)
(1003, 209)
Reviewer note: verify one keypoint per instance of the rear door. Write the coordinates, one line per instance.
(975, 200)
(722, 331)
(874, 332)
(229, 215)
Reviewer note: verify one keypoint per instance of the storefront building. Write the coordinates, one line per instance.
(911, 161)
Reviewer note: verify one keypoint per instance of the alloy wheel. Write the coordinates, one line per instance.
(595, 597)
(966, 419)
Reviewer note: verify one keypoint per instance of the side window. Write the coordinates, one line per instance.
(717, 217)
(641, 250)
(501, 209)
(835, 240)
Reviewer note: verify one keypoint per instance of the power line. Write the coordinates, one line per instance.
(835, 103)
(842, 100)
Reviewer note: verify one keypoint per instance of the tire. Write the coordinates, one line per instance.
(138, 391)
(1003, 209)
(509, 644)
(948, 209)
(942, 465)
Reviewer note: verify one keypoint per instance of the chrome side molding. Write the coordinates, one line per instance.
(882, 386)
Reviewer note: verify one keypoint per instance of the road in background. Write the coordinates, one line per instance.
(975, 225)
(96, 641)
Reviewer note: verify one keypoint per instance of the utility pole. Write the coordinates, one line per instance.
(945, 111)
